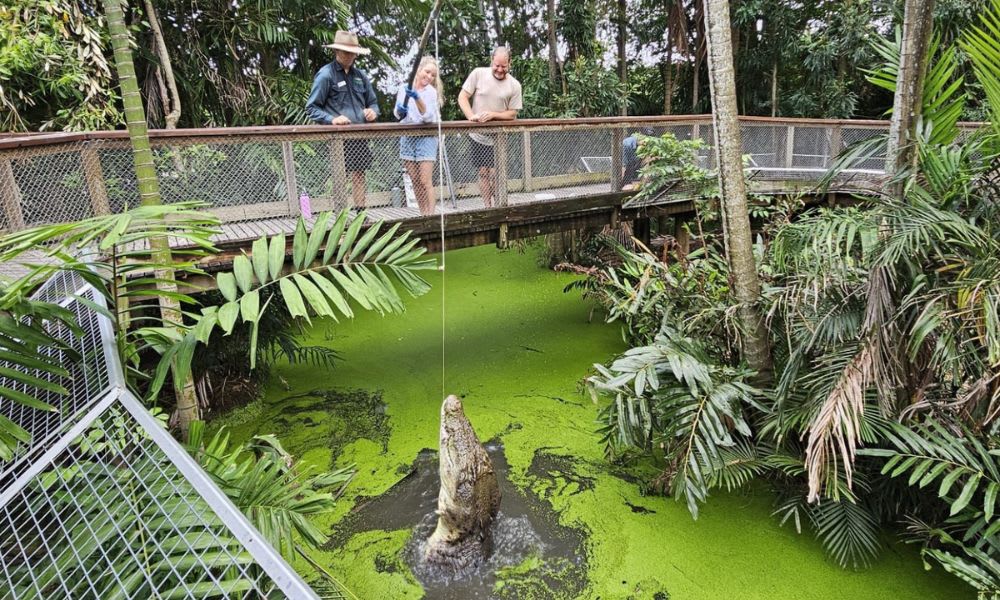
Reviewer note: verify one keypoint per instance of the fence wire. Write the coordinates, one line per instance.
(103, 503)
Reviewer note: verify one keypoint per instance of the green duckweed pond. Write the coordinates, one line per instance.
(516, 348)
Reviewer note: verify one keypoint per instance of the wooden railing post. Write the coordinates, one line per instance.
(94, 176)
(502, 168)
(291, 185)
(10, 197)
(617, 139)
(790, 147)
(339, 176)
(836, 144)
(526, 151)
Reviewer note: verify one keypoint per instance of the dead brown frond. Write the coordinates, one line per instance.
(836, 430)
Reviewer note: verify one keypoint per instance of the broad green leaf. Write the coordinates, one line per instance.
(333, 239)
(250, 306)
(989, 500)
(276, 255)
(26, 399)
(299, 241)
(260, 259)
(313, 296)
(966, 496)
(332, 293)
(376, 248)
(365, 240)
(316, 238)
(293, 299)
(243, 271)
(352, 233)
(227, 285)
(948, 481)
(227, 316)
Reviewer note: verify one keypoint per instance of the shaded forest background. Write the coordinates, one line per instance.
(252, 62)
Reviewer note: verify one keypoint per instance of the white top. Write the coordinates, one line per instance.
(428, 95)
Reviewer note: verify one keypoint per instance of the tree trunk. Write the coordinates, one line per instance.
(774, 89)
(149, 189)
(497, 25)
(172, 110)
(736, 219)
(699, 54)
(550, 17)
(622, 58)
(907, 103)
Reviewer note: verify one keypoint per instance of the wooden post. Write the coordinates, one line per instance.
(10, 197)
(339, 177)
(94, 176)
(617, 138)
(682, 237)
(291, 186)
(789, 146)
(502, 242)
(501, 180)
(526, 151)
(836, 144)
(641, 229)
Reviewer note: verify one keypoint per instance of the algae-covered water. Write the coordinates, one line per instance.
(516, 348)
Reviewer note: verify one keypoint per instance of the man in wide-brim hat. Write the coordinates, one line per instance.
(341, 95)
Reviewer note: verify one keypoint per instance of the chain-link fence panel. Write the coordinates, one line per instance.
(103, 502)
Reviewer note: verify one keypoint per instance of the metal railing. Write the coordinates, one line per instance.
(103, 502)
(263, 172)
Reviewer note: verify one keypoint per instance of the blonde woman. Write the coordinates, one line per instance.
(419, 152)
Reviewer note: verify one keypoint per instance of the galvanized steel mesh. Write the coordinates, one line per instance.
(264, 175)
(103, 503)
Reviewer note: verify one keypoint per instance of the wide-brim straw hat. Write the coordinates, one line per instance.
(348, 42)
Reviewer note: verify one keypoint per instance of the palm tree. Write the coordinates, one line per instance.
(187, 409)
(732, 187)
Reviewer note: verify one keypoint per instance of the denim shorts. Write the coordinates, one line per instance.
(418, 148)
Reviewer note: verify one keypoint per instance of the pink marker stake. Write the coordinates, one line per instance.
(305, 206)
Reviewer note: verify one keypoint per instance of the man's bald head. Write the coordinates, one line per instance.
(500, 62)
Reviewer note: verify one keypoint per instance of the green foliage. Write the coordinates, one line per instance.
(53, 69)
(276, 493)
(33, 358)
(675, 396)
(353, 266)
(667, 161)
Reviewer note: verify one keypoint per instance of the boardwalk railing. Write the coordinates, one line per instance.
(262, 172)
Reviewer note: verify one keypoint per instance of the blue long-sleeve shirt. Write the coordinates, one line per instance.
(336, 92)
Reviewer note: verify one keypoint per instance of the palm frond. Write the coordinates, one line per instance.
(967, 470)
(361, 267)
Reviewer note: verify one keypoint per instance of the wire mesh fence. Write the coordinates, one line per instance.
(103, 503)
(281, 172)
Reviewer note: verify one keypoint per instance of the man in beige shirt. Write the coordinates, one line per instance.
(489, 94)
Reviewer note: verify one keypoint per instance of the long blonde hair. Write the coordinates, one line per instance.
(426, 60)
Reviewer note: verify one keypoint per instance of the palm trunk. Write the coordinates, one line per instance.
(149, 189)
(736, 219)
(907, 103)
